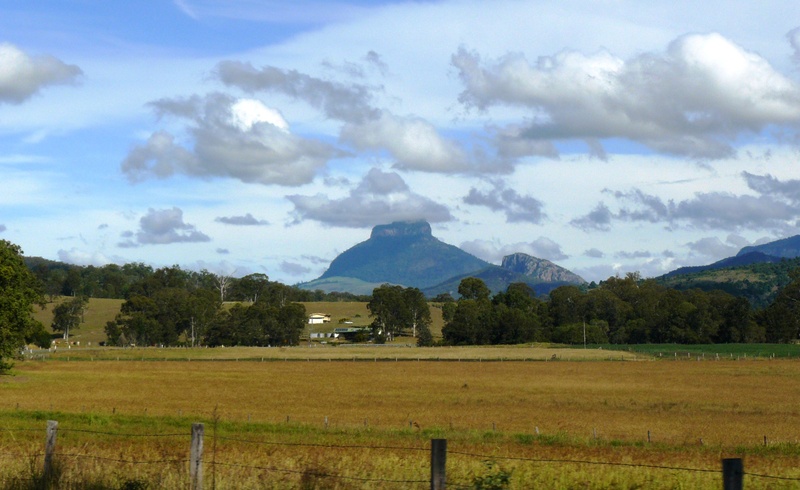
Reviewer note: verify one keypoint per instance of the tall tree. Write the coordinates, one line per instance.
(68, 315)
(19, 292)
(389, 311)
(419, 312)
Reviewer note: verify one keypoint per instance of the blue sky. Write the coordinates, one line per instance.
(257, 136)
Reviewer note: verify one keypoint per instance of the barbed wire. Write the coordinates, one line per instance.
(123, 434)
(125, 461)
(331, 446)
(785, 478)
(487, 457)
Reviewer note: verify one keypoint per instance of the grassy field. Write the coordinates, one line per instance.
(284, 424)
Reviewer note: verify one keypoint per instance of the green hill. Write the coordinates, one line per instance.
(758, 282)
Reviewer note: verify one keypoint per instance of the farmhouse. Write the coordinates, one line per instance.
(319, 318)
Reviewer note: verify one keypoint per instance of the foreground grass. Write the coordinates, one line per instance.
(343, 424)
(116, 450)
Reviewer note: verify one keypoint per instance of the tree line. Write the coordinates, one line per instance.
(620, 310)
(121, 281)
(172, 306)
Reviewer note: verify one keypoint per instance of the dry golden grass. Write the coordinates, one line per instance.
(725, 403)
(482, 408)
(402, 350)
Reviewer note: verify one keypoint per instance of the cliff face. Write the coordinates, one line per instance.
(539, 269)
(402, 228)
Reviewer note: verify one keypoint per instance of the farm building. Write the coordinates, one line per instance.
(318, 318)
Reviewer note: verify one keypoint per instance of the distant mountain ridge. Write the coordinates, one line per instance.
(788, 248)
(406, 253)
(755, 272)
(541, 275)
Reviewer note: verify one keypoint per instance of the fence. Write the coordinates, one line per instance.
(732, 470)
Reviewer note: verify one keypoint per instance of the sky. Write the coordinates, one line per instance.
(244, 136)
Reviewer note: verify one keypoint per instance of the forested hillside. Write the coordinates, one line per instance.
(759, 283)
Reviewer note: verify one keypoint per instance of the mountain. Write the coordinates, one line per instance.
(404, 253)
(541, 275)
(753, 257)
(756, 272)
(539, 269)
(787, 248)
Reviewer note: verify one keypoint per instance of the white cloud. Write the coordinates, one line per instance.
(516, 207)
(246, 220)
(246, 113)
(693, 99)
(713, 248)
(161, 227)
(381, 197)
(340, 101)
(414, 143)
(82, 257)
(240, 139)
(22, 75)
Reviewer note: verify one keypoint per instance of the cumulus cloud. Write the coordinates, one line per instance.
(542, 247)
(638, 254)
(714, 210)
(693, 99)
(414, 143)
(594, 253)
(714, 248)
(775, 208)
(161, 227)
(3, 228)
(245, 141)
(23, 75)
(336, 100)
(246, 220)
(516, 207)
(510, 143)
(597, 219)
(769, 185)
(294, 269)
(82, 257)
(381, 197)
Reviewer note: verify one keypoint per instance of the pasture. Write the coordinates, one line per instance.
(365, 423)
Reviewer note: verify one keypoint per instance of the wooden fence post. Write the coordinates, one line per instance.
(732, 474)
(196, 457)
(438, 460)
(50, 449)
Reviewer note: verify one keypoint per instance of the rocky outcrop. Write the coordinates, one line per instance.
(539, 269)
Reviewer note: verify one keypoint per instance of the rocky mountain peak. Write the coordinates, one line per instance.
(402, 229)
(540, 269)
